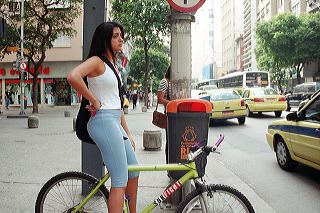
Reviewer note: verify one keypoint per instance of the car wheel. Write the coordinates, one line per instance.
(249, 113)
(278, 113)
(242, 120)
(283, 156)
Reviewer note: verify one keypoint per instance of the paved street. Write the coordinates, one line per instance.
(29, 157)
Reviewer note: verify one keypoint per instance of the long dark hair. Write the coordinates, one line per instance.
(101, 39)
(167, 74)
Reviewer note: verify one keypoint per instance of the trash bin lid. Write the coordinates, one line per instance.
(189, 105)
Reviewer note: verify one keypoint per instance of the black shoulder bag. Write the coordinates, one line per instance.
(84, 115)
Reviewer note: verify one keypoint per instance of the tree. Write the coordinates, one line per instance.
(287, 42)
(158, 65)
(44, 22)
(267, 61)
(146, 23)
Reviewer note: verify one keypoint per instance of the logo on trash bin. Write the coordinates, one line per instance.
(188, 139)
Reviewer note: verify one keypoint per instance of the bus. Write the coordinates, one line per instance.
(207, 83)
(241, 80)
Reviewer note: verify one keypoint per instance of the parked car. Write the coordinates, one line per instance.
(300, 93)
(227, 104)
(264, 99)
(296, 139)
(302, 103)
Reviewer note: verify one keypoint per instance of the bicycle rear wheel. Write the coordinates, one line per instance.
(64, 191)
(224, 199)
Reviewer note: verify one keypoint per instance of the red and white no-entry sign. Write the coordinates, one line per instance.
(23, 66)
(186, 5)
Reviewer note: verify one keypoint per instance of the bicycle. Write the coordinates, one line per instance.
(63, 193)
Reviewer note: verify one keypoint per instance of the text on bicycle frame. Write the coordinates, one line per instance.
(167, 193)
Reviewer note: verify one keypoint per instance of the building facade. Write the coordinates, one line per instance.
(249, 41)
(231, 29)
(266, 9)
(53, 88)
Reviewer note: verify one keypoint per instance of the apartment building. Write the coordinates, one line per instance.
(231, 29)
(53, 86)
(269, 8)
(249, 41)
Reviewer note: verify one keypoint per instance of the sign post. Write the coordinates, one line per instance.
(186, 6)
(23, 66)
(182, 14)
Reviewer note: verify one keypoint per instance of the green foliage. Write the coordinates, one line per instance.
(158, 65)
(44, 22)
(145, 22)
(286, 43)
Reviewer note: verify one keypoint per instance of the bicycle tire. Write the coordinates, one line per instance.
(64, 191)
(224, 199)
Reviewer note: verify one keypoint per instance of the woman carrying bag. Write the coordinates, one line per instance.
(164, 92)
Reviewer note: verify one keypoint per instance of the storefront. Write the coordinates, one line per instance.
(53, 88)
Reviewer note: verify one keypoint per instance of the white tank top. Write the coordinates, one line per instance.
(105, 88)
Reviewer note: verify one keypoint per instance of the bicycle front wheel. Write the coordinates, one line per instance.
(217, 199)
(66, 190)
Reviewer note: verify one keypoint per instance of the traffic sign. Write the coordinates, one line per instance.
(23, 66)
(186, 5)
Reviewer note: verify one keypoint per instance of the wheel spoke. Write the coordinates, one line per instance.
(63, 192)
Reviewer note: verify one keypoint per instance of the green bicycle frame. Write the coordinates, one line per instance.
(191, 174)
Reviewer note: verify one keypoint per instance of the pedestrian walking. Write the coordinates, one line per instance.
(134, 98)
(7, 98)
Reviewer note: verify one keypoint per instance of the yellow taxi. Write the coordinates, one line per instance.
(296, 139)
(227, 104)
(264, 99)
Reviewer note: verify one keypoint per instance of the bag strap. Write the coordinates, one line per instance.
(85, 102)
(105, 60)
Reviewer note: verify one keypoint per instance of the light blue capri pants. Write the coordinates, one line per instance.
(115, 147)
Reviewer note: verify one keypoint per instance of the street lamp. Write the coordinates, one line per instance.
(22, 112)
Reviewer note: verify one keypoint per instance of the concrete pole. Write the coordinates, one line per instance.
(94, 14)
(181, 65)
(181, 68)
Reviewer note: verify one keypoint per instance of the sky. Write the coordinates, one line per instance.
(202, 52)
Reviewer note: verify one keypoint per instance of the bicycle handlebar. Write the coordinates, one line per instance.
(206, 149)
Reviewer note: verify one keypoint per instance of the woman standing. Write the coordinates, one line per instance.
(107, 125)
(164, 92)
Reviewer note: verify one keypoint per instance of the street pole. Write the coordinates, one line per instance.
(22, 112)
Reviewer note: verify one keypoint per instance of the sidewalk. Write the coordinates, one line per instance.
(30, 157)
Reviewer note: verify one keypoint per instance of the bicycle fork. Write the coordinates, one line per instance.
(126, 205)
(204, 202)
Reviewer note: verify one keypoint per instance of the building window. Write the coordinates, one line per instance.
(62, 41)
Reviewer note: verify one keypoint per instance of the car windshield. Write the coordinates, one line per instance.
(266, 91)
(304, 88)
(311, 88)
(220, 95)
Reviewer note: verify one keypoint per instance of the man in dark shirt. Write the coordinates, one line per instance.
(7, 99)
